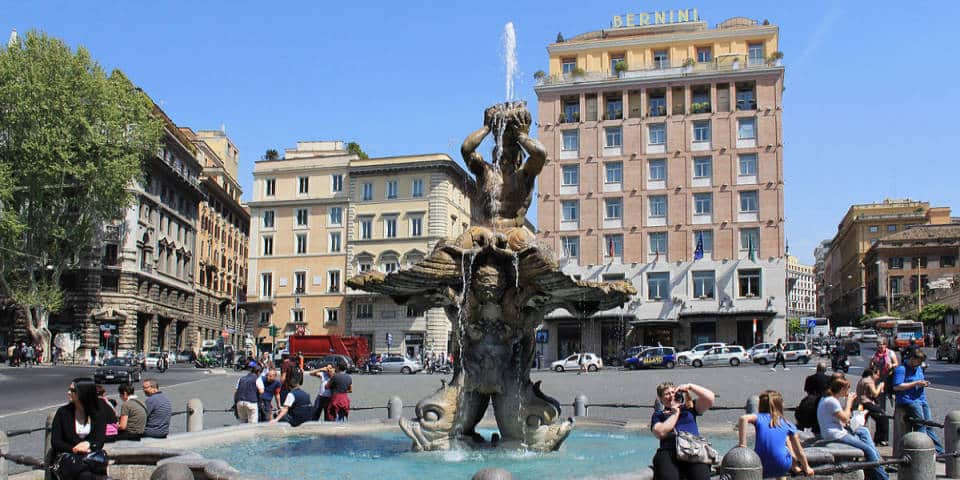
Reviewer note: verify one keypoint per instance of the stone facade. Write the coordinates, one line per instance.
(801, 289)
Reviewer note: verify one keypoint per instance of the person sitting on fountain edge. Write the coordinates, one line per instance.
(679, 414)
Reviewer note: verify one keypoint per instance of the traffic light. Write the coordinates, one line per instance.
(273, 330)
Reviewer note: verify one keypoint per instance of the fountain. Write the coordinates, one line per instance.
(495, 283)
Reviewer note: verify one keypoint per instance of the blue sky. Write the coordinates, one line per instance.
(867, 108)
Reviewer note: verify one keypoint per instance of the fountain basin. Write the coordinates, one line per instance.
(595, 449)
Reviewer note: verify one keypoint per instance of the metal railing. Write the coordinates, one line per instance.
(654, 71)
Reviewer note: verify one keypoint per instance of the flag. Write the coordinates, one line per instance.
(698, 252)
(610, 246)
(753, 251)
(656, 257)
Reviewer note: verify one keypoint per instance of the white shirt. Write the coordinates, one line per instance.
(830, 426)
(260, 386)
(324, 391)
(288, 402)
(83, 429)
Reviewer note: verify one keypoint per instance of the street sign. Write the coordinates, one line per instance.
(811, 323)
(543, 336)
(107, 327)
(106, 334)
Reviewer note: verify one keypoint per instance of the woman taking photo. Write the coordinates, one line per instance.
(834, 413)
(679, 414)
(79, 429)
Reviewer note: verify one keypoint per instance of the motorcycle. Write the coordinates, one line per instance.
(205, 362)
(839, 360)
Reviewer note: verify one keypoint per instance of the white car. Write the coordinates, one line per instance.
(792, 352)
(758, 349)
(731, 355)
(869, 336)
(152, 359)
(696, 352)
(590, 360)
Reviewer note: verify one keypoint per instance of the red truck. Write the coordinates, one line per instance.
(317, 346)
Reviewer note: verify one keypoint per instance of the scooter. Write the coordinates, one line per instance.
(839, 360)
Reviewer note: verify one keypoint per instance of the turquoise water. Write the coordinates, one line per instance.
(587, 453)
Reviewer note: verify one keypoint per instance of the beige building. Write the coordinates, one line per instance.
(666, 147)
(801, 289)
(400, 208)
(298, 241)
(223, 230)
(864, 225)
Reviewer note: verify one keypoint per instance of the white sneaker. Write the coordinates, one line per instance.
(773, 369)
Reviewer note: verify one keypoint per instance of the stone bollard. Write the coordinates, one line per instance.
(900, 428)
(580, 406)
(394, 408)
(172, 471)
(194, 415)
(951, 438)
(753, 404)
(4, 448)
(492, 474)
(48, 445)
(741, 463)
(923, 457)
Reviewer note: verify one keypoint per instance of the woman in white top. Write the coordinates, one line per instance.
(834, 413)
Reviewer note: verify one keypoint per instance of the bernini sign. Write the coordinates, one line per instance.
(655, 18)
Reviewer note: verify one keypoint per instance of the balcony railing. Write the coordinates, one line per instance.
(725, 63)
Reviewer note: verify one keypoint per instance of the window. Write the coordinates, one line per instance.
(570, 210)
(303, 185)
(298, 315)
(614, 108)
(333, 281)
(891, 228)
(332, 316)
(661, 59)
(701, 131)
(614, 208)
(748, 164)
(416, 226)
(264, 319)
(749, 282)
(568, 65)
(614, 137)
(368, 191)
(391, 189)
(614, 172)
(702, 203)
(571, 110)
(336, 215)
(571, 175)
(417, 188)
(299, 282)
(612, 277)
(747, 129)
(301, 243)
(366, 228)
(749, 239)
(270, 185)
(613, 245)
(266, 285)
(704, 54)
(658, 243)
(658, 170)
(267, 246)
(703, 284)
(364, 265)
(918, 262)
(895, 263)
(745, 96)
(948, 261)
(364, 310)
(874, 228)
(571, 246)
(705, 237)
(614, 60)
(658, 285)
(755, 54)
(749, 201)
(390, 265)
(658, 206)
(702, 167)
(390, 227)
(335, 245)
(896, 286)
(657, 104)
(302, 217)
(269, 217)
(657, 134)
(110, 283)
(336, 183)
(571, 140)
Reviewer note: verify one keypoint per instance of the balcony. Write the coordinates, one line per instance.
(676, 68)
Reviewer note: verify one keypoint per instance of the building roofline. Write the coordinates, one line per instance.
(575, 45)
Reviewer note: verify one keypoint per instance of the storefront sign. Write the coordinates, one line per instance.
(663, 17)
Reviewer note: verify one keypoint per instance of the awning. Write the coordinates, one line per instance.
(655, 322)
(730, 313)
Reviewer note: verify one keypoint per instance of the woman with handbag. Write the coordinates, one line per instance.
(677, 422)
(78, 433)
(836, 412)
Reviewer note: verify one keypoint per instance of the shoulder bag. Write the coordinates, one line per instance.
(694, 449)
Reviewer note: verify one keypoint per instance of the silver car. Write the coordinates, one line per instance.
(400, 364)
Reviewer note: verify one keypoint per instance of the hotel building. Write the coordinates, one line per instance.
(801, 289)
(666, 168)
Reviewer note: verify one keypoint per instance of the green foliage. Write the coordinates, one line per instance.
(354, 147)
(795, 326)
(539, 74)
(72, 139)
(689, 62)
(271, 154)
(935, 313)
(620, 66)
(579, 72)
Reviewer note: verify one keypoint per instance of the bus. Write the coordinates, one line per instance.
(816, 327)
(900, 332)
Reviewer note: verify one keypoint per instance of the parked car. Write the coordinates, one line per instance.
(399, 364)
(119, 370)
(792, 352)
(869, 336)
(185, 356)
(590, 360)
(949, 349)
(632, 352)
(651, 358)
(696, 352)
(332, 359)
(727, 355)
(758, 349)
(152, 359)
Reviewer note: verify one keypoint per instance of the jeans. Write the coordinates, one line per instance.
(921, 409)
(861, 439)
(779, 359)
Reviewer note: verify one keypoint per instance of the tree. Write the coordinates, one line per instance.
(354, 147)
(935, 313)
(795, 326)
(72, 140)
(271, 154)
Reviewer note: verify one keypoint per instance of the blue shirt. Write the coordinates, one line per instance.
(907, 374)
(686, 423)
(771, 446)
(158, 416)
